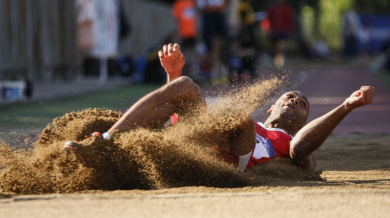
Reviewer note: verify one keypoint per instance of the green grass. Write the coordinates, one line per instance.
(31, 118)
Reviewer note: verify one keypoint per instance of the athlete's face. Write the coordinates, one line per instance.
(291, 108)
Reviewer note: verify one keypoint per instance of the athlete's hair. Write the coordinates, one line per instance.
(302, 95)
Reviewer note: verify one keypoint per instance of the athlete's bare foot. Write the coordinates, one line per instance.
(172, 60)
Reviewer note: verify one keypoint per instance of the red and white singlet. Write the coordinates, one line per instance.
(270, 143)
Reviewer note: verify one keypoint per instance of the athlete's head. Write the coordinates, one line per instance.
(290, 111)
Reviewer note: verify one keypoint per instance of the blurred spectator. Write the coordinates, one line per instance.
(242, 62)
(386, 54)
(365, 38)
(320, 50)
(382, 61)
(351, 32)
(282, 26)
(124, 24)
(185, 14)
(243, 48)
(214, 24)
(247, 19)
(86, 15)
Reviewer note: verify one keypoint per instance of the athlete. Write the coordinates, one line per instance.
(284, 134)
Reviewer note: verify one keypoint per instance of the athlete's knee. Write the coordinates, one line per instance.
(185, 80)
(186, 86)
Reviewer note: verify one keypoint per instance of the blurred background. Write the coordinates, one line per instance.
(223, 40)
(58, 50)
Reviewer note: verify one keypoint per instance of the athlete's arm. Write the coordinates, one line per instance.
(172, 60)
(311, 136)
(243, 139)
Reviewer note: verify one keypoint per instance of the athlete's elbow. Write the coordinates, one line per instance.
(296, 151)
(301, 159)
(305, 162)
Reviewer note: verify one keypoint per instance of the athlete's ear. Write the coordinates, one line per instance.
(270, 110)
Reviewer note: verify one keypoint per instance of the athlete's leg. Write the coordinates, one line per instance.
(179, 95)
(151, 111)
(155, 109)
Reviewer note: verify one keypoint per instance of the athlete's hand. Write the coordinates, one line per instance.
(361, 97)
(172, 60)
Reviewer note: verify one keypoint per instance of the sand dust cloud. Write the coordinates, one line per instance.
(179, 155)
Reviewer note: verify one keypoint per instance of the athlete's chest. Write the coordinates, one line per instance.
(271, 143)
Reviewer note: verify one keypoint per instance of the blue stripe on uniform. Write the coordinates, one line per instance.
(267, 145)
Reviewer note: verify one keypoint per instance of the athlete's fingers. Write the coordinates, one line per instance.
(364, 88)
(367, 94)
(176, 48)
(371, 92)
(165, 49)
(364, 94)
(356, 94)
(161, 55)
(182, 58)
(170, 48)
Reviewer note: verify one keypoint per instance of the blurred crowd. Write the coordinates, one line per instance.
(224, 41)
(227, 41)
(219, 39)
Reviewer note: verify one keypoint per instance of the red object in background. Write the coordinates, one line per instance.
(281, 19)
(86, 136)
(185, 13)
(95, 134)
(265, 25)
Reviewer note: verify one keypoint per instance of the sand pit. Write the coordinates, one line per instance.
(144, 173)
(355, 185)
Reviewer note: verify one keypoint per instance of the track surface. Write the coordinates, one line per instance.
(328, 87)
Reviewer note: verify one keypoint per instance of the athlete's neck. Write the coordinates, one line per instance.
(277, 123)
